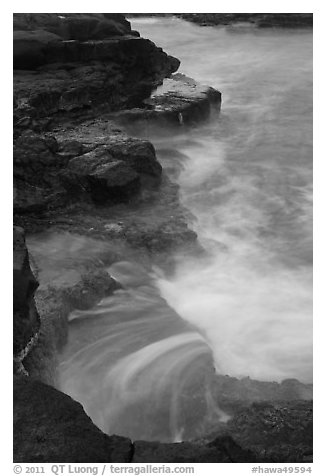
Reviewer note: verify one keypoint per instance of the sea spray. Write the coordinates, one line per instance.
(256, 324)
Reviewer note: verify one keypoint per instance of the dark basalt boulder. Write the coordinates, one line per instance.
(26, 317)
(79, 165)
(114, 181)
(137, 153)
(105, 178)
(51, 427)
(97, 138)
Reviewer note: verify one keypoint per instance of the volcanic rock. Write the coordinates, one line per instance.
(180, 100)
(36, 164)
(68, 67)
(275, 432)
(79, 62)
(137, 153)
(104, 177)
(51, 427)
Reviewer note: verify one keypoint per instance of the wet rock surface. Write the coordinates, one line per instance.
(180, 100)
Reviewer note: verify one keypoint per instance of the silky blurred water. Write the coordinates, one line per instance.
(142, 361)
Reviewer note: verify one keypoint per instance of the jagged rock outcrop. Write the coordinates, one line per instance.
(112, 172)
(158, 223)
(25, 315)
(180, 100)
(111, 74)
(76, 61)
(50, 173)
(67, 66)
(101, 175)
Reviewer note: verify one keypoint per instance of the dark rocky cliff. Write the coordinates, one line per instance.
(67, 67)
(83, 60)
(77, 79)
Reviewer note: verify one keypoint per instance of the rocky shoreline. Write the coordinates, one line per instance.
(80, 83)
(259, 20)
